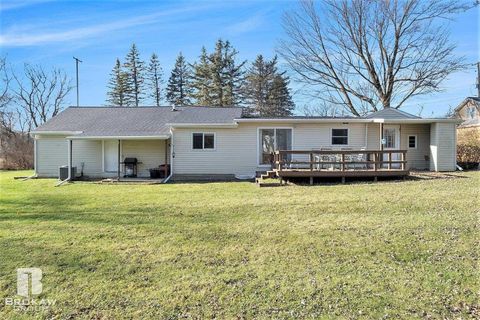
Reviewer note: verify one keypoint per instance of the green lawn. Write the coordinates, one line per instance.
(233, 250)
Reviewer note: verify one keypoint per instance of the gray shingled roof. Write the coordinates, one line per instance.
(130, 121)
(391, 113)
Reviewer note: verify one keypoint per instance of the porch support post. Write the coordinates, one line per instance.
(166, 158)
(118, 168)
(381, 136)
(69, 159)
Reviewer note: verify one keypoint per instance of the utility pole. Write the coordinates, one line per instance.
(76, 67)
(478, 79)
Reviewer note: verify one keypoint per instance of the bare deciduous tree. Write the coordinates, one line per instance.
(41, 94)
(365, 55)
(27, 100)
(6, 97)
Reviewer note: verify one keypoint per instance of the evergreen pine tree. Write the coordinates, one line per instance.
(134, 69)
(179, 88)
(202, 80)
(266, 90)
(117, 86)
(226, 75)
(154, 77)
(279, 100)
(259, 80)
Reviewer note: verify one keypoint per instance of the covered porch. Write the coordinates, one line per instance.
(119, 159)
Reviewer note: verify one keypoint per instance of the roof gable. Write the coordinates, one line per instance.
(391, 113)
(468, 101)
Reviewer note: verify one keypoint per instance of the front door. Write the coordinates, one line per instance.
(391, 141)
(111, 155)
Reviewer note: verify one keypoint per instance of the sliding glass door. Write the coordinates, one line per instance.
(272, 139)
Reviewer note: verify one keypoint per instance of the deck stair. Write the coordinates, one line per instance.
(271, 174)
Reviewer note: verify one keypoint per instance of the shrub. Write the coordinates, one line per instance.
(468, 147)
(16, 150)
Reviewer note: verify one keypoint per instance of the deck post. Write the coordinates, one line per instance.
(343, 179)
(311, 161)
(280, 161)
(390, 161)
(311, 180)
(343, 161)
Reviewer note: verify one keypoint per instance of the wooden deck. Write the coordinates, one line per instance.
(290, 164)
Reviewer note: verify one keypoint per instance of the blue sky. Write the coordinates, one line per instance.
(51, 32)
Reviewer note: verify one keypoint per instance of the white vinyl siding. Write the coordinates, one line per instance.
(90, 153)
(416, 158)
(237, 150)
(151, 154)
(443, 147)
(373, 140)
(52, 152)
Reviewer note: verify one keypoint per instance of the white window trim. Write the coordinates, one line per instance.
(203, 141)
(339, 145)
(408, 141)
(258, 142)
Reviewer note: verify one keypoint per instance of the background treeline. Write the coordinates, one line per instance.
(29, 97)
(216, 79)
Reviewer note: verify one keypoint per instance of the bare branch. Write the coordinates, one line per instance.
(371, 54)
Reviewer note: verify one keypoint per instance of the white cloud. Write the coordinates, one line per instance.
(15, 4)
(250, 24)
(15, 38)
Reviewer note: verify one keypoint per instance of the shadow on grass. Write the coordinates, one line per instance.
(76, 209)
(427, 175)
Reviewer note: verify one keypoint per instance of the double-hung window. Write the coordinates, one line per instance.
(203, 141)
(339, 137)
(412, 142)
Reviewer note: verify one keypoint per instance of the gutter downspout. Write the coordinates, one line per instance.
(171, 157)
(69, 177)
(366, 136)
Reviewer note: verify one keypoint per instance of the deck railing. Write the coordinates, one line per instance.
(339, 160)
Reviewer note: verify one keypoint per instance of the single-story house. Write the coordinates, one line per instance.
(211, 142)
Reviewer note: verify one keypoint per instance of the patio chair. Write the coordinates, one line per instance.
(360, 157)
(327, 158)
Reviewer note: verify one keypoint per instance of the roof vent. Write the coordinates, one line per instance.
(174, 109)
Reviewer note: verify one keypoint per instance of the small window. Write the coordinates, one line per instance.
(339, 136)
(412, 142)
(472, 112)
(203, 141)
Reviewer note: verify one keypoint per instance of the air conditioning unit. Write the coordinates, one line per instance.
(63, 172)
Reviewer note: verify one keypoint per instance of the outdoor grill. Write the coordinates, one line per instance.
(130, 167)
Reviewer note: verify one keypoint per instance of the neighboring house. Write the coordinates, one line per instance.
(469, 112)
(208, 142)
